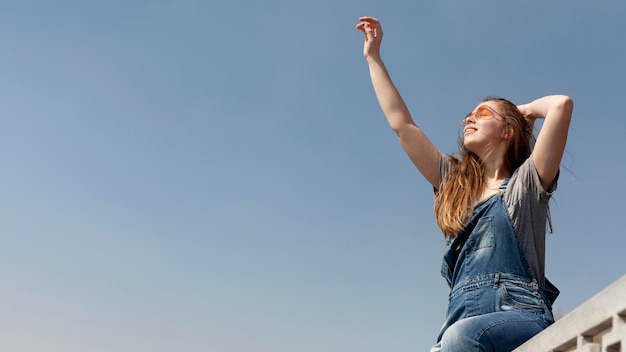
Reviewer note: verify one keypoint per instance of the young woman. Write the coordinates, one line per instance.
(491, 203)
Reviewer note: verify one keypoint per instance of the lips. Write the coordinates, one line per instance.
(469, 130)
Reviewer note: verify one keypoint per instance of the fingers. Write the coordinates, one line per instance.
(523, 109)
(370, 26)
(369, 19)
(364, 27)
(370, 33)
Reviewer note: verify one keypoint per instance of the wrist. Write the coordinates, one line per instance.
(373, 59)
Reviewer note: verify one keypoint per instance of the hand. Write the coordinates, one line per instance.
(526, 111)
(373, 36)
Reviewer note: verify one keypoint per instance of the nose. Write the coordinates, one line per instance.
(469, 117)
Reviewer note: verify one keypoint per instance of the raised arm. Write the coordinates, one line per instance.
(550, 145)
(415, 143)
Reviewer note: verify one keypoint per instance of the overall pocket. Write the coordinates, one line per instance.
(483, 234)
(516, 297)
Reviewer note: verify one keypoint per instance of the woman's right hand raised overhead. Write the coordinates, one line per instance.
(373, 36)
(415, 143)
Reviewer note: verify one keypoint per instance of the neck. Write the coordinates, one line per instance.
(495, 171)
(493, 162)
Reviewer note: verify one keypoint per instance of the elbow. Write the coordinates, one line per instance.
(566, 103)
(395, 125)
(401, 128)
(396, 128)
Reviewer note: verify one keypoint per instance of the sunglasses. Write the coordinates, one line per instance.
(484, 112)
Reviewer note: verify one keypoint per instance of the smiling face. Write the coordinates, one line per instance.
(484, 129)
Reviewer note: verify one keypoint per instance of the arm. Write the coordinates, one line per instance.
(550, 144)
(415, 143)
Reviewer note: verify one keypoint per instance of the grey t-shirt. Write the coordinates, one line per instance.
(527, 205)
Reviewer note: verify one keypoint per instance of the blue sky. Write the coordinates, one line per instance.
(217, 176)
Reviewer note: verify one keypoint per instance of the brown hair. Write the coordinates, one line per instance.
(465, 182)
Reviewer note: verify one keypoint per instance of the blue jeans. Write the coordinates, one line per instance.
(493, 332)
(494, 313)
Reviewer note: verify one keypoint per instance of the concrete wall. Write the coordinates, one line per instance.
(598, 325)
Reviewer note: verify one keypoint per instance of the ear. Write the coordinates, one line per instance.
(508, 134)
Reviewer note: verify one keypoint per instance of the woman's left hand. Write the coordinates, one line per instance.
(556, 110)
(527, 113)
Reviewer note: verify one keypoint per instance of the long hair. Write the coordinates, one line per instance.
(465, 182)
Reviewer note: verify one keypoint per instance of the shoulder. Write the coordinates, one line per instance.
(447, 163)
(525, 180)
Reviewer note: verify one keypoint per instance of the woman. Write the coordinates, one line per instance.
(491, 204)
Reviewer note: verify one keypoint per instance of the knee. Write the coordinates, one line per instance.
(461, 336)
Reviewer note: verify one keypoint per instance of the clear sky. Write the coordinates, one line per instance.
(218, 176)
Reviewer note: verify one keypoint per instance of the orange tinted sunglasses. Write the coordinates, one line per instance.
(484, 112)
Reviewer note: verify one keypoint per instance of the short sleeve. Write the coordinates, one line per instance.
(444, 167)
(527, 205)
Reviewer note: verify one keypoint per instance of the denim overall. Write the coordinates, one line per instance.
(495, 304)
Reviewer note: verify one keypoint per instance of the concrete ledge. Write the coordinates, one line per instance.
(598, 325)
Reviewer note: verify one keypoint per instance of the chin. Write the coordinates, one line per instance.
(469, 146)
